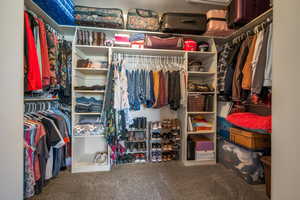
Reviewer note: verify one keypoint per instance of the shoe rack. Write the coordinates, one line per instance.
(165, 140)
(136, 143)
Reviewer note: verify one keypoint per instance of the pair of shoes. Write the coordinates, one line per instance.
(156, 125)
(156, 156)
(156, 135)
(140, 158)
(167, 147)
(156, 146)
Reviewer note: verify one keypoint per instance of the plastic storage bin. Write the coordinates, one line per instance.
(244, 162)
(223, 128)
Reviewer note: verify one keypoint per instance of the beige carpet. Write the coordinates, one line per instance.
(163, 181)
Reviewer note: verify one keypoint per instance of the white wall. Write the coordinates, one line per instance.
(286, 101)
(11, 99)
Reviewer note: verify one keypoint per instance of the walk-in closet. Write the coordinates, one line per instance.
(148, 100)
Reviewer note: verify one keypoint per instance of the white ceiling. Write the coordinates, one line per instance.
(157, 5)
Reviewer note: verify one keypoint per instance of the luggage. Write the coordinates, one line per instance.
(185, 23)
(240, 12)
(141, 19)
(250, 140)
(156, 42)
(217, 25)
(99, 17)
(244, 162)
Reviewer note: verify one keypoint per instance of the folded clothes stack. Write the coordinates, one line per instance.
(137, 40)
(92, 64)
(93, 87)
(88, 105)
(86, 119)
(199, 123)
(87, 129)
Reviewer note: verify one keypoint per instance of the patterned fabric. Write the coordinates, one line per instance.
(101, 17)
(223, 67)
(140, 19)
(29, 180)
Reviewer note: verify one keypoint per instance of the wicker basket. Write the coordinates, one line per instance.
(196, 103)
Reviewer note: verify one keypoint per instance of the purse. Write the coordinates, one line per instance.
(156, 42)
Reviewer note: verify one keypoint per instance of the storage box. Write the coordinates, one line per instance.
(196, 103)
(250, 140)
(205, 155)
(246, 163)
(202, 143)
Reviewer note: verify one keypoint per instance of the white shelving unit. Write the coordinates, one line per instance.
(85, 147)
(81, 75)
(209, 61)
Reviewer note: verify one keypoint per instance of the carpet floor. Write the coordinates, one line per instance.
(163, 181)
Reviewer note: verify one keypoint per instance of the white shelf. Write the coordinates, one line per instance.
(194, 113)
(88, 136)
(92, 70)
(125, 31)
(200, 132)
(90, 91)
(87, 113)
(89, 167)
(93, 50)
(189, 163)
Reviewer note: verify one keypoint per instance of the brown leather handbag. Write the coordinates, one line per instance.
(156, 42)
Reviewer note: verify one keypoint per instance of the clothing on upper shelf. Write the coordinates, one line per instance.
(46, 148)
(245, 67)
(47, 60)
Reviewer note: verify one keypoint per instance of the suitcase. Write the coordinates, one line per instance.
(156, 42)
(250, 140)
(99, 17)
(241, 12)
(217, 24)
(185, 23)
(141, 19)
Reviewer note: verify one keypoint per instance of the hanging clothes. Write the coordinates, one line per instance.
(237, 77)
(44, 54)
(34, 81)
(258, 47)
(268, 70)
(258, 76)
(247, 70)
(43, 132)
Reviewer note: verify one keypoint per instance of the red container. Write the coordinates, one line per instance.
(190, 45)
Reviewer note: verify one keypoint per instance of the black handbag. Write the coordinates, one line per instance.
(184, 23)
